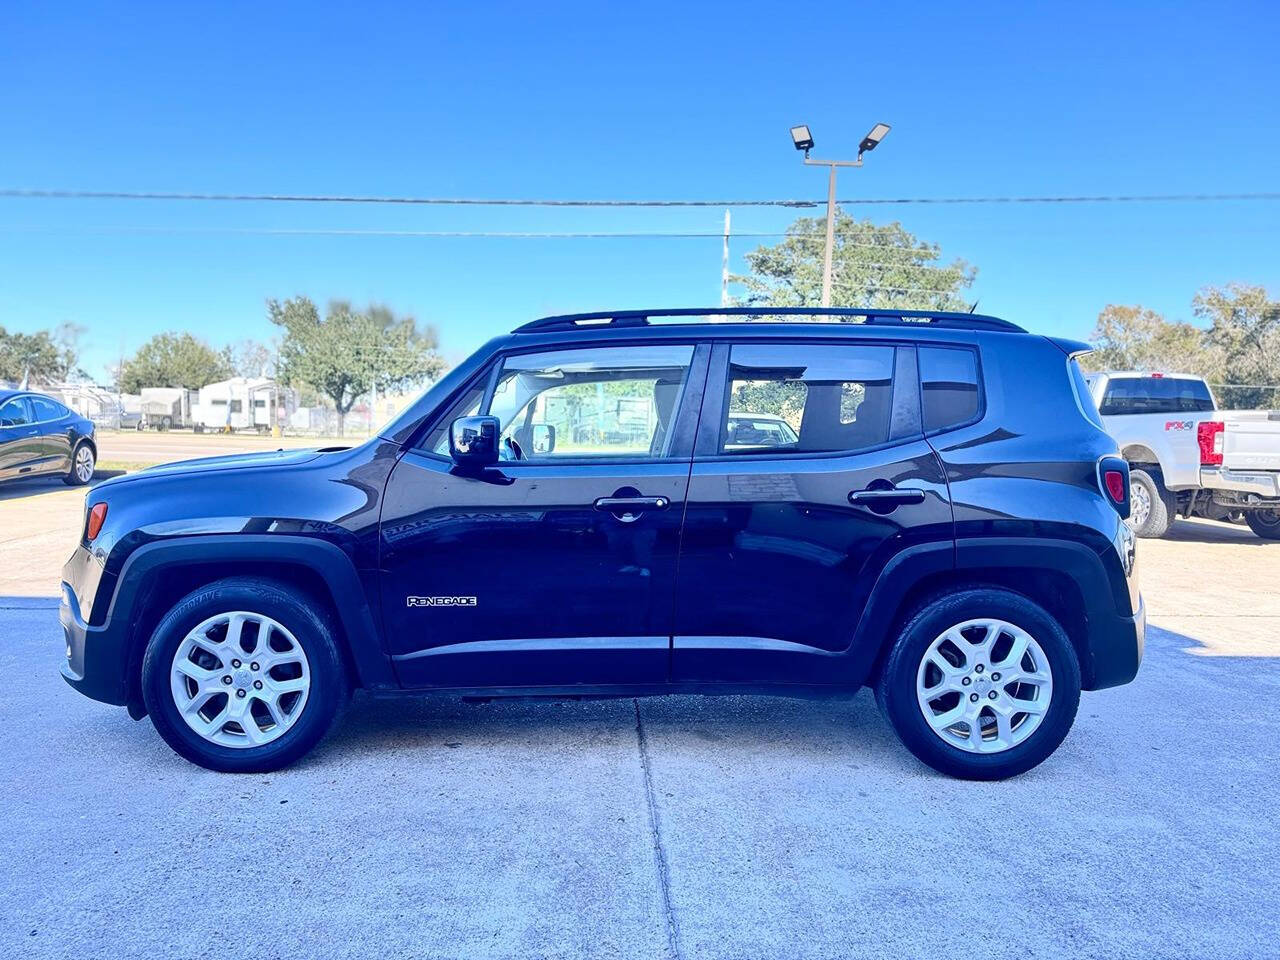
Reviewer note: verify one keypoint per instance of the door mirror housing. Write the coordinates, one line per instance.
(473, 441)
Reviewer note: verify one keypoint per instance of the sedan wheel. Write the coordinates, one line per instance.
(240, 679)
(984, 686)
(83, 463)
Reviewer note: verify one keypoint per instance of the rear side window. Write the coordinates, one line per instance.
(806, 398)
(1127, 396)
(948, 387)
(45, 409)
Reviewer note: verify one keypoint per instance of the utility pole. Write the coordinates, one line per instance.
(803, 140)
(724, 269)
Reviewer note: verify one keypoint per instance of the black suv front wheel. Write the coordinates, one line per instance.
(981, 684)
(243, 676)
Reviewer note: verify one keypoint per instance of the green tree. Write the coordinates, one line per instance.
(1135, 338)
(349, 351)
(30, 356)
(251, 358)
(872, 266)
(1245, 332)
(173, 360)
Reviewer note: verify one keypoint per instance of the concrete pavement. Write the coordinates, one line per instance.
(685, 827)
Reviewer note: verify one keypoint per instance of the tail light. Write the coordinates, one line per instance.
(97, 516)
(1209, 433)
(1113, 479)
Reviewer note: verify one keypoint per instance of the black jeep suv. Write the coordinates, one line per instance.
(590, 507)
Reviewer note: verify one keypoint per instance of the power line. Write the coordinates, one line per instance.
(520, 202)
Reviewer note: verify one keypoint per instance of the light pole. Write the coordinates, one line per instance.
(803, 140)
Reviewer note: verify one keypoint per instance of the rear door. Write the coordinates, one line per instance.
(54, 423)
(787, 532)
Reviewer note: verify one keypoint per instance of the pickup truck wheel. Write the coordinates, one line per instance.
(243, 676)
(982, 684)
(1265, 523)
(1150, 512)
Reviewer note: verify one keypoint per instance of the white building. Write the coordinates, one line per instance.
(243, 403)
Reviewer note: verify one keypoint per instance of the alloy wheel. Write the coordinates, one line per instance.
(84, 464)
(240, 679)
(984, 686)
(1139, 505)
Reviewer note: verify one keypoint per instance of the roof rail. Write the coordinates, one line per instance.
(640, 318)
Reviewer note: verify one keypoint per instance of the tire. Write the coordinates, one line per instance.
(1265, 523)
(1160, 510)
(84, 460)
(1032, 738)
(315, 676)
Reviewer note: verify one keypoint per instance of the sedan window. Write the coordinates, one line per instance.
(44, 409)
(15, 413)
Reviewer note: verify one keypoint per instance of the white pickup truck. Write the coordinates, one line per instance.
(1188, 457)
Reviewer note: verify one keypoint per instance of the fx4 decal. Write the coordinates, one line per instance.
(440, 601)
(1179, 424)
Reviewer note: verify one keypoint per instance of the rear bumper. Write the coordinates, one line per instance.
(1116, 644)
(95, 662)
(1261, 483)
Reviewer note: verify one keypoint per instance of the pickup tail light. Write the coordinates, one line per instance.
(1113, 479)
(97, 516)
(1209, 433)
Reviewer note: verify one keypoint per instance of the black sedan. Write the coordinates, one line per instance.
(39, 437)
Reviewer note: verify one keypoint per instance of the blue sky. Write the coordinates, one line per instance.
(652, 100)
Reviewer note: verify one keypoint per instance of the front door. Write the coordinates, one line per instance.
(810, 472)
(556, 566)
(21, 445)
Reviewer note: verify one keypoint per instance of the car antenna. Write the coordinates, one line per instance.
(975, 306)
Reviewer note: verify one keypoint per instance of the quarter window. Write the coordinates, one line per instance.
(948, 387)
(807, 398)
(601, 402)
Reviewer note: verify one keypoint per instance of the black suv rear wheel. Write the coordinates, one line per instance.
(981, 684)
(243, 676)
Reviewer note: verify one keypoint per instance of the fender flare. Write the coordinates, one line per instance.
(329, 562)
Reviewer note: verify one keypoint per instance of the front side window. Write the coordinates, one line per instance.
(593, 402)
(807, 398)
(948, 387)
(15, 413)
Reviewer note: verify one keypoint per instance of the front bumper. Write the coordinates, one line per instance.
(96, 663)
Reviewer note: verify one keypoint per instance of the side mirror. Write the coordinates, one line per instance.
(473, 441)
(544, 439)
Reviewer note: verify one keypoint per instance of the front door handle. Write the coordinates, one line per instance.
(631, 504)
(891, 497)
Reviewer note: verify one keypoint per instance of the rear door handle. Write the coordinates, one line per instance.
(887, 498)
(631, 504)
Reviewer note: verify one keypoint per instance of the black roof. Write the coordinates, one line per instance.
(860, 317)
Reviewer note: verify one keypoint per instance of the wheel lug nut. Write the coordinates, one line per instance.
(240, 694)
(973, 697)
(236, 664)
(226, 680)
(992, 694)
(995, 676)
(254, 665)
(966, 681)
(257, 684)
(978, 668)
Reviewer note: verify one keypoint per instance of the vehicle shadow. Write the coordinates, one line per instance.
(1199, 530)
(37, 486)
(848, 726)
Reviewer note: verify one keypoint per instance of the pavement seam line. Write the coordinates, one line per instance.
(655, 832)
